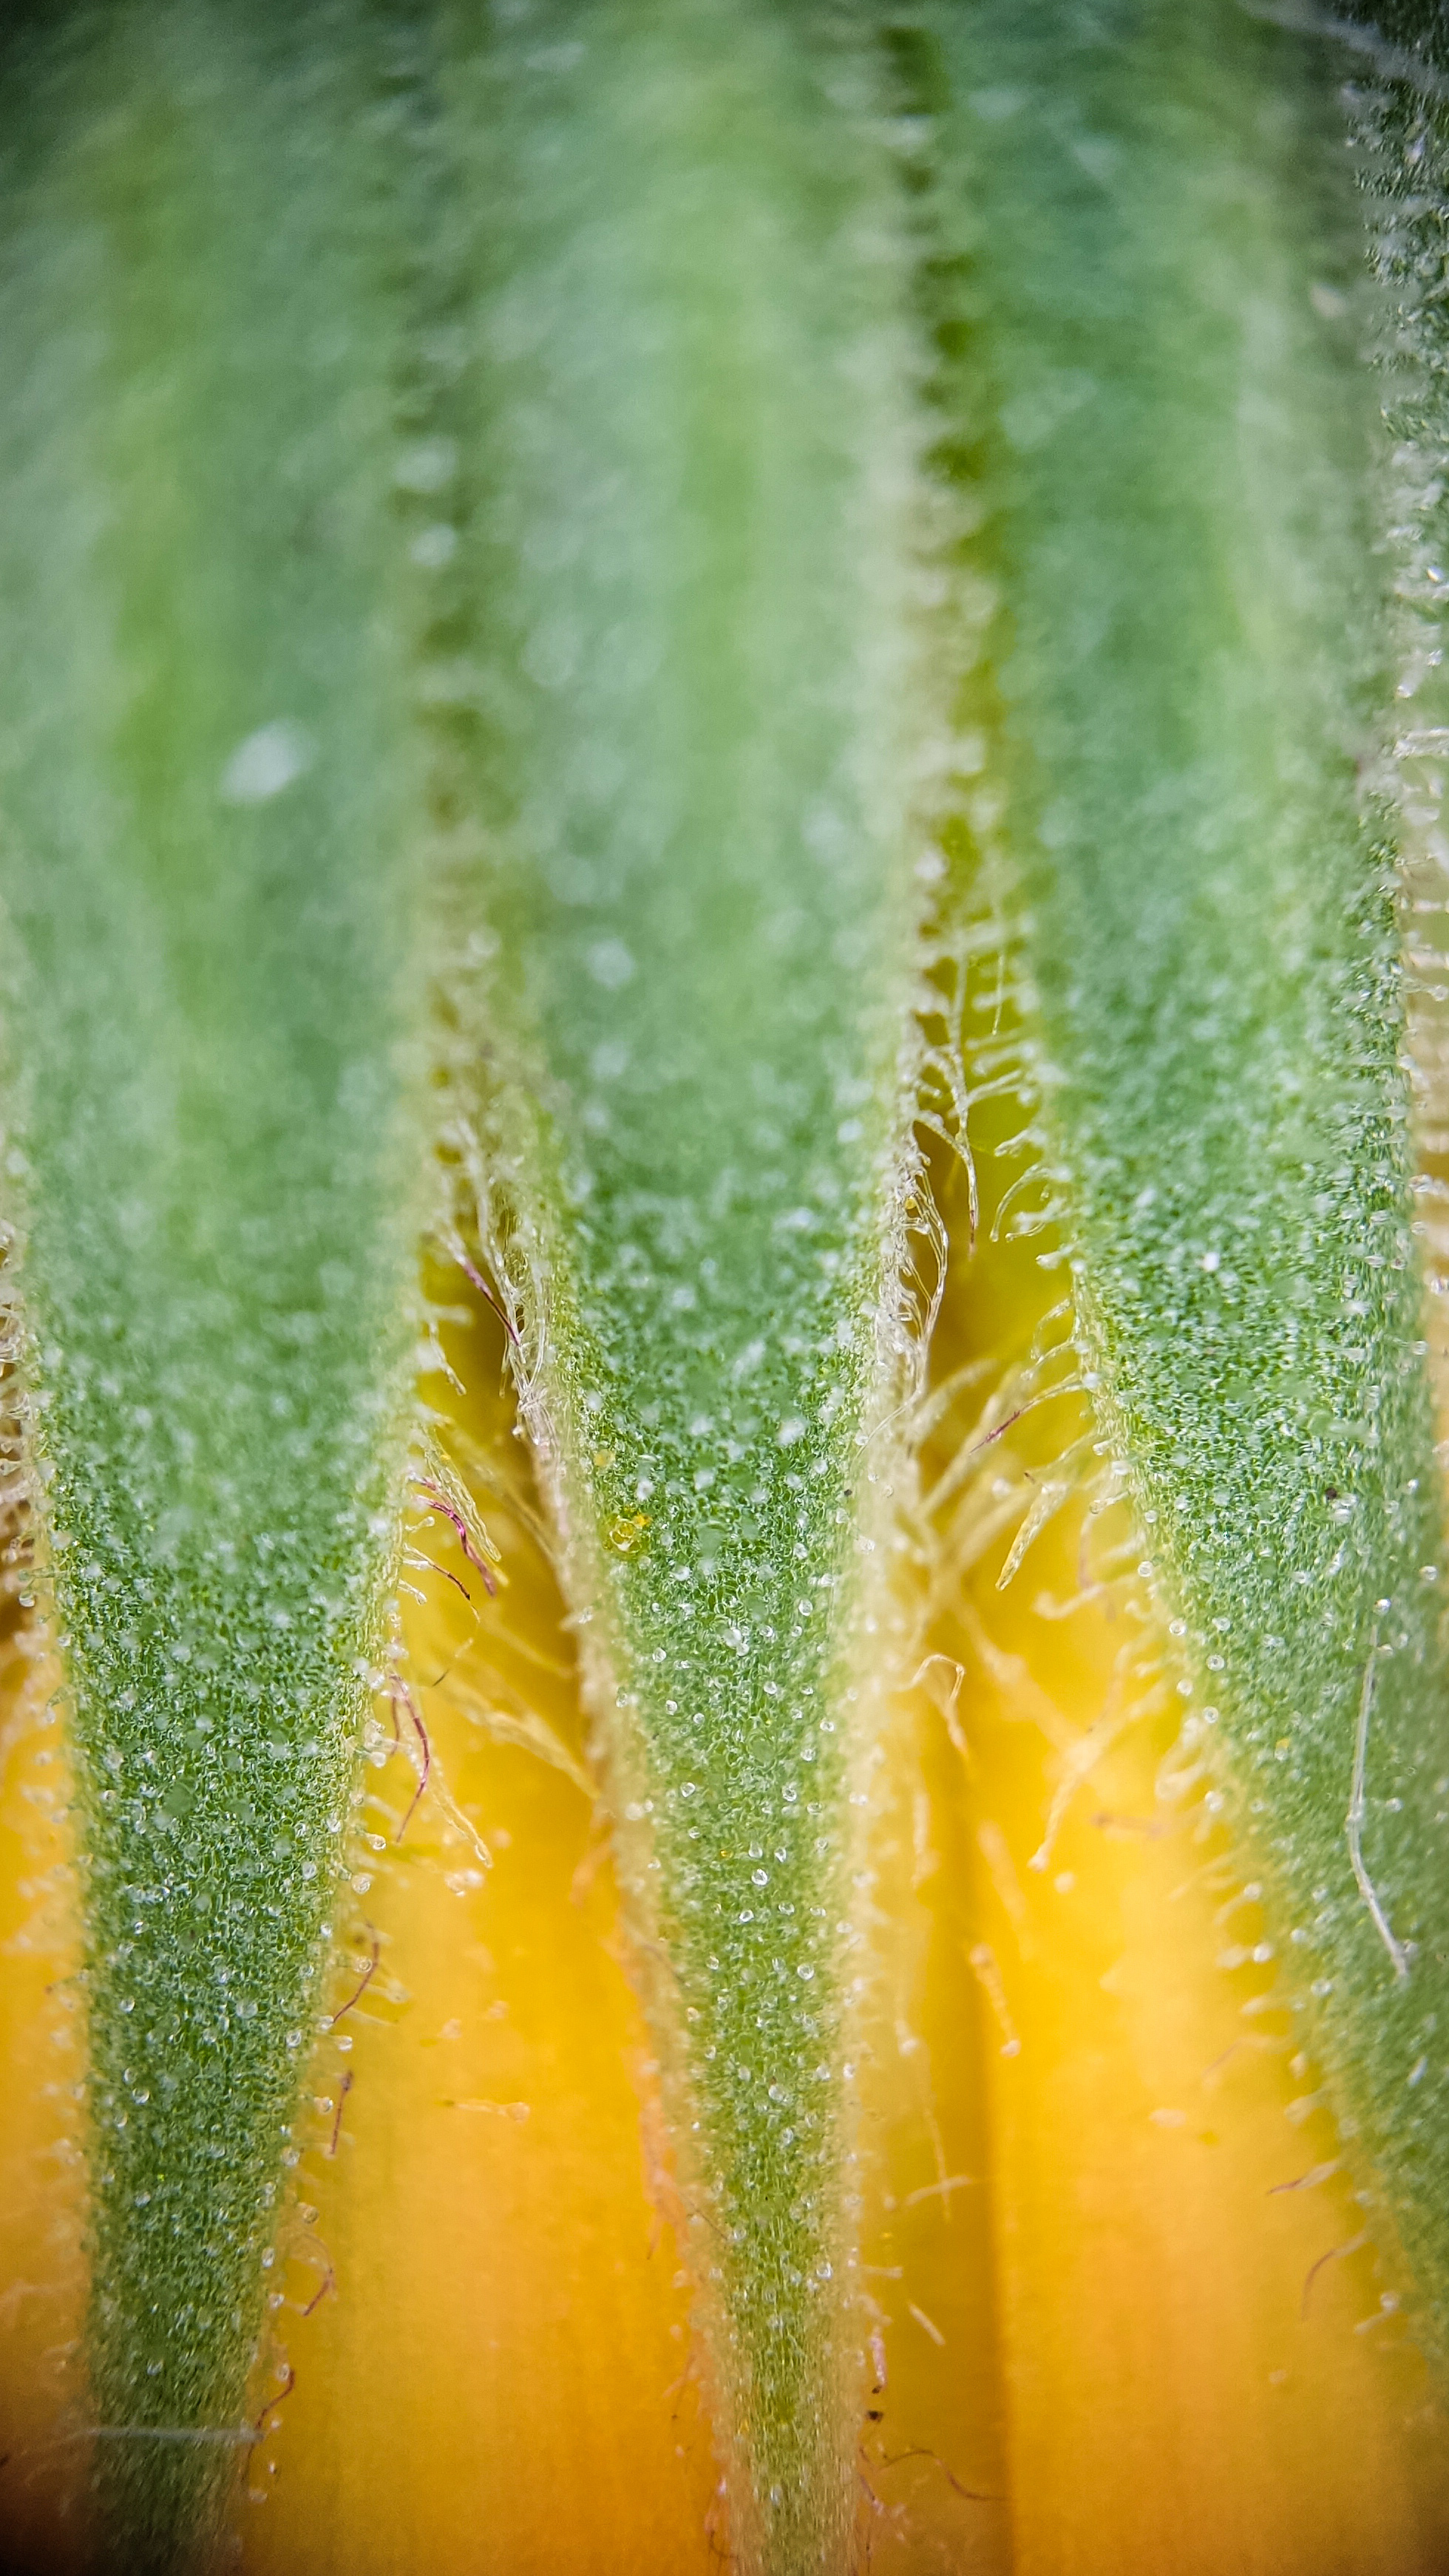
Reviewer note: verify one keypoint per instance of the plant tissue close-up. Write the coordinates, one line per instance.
(724, 1202)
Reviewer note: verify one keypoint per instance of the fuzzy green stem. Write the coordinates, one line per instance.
(1160, 400)
(682, 712)
(203, 756)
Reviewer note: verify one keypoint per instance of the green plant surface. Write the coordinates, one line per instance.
(471, 458)
(676, 687)
(1149, 295)
(203, 867)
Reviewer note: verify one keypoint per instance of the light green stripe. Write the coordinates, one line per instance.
(685, 709)
(203, 862)
(1158, 324)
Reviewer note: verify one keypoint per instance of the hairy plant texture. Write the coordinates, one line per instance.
(495, 437)
(206, 950)
(687, 732)
(659, 478)
(1146, 286)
